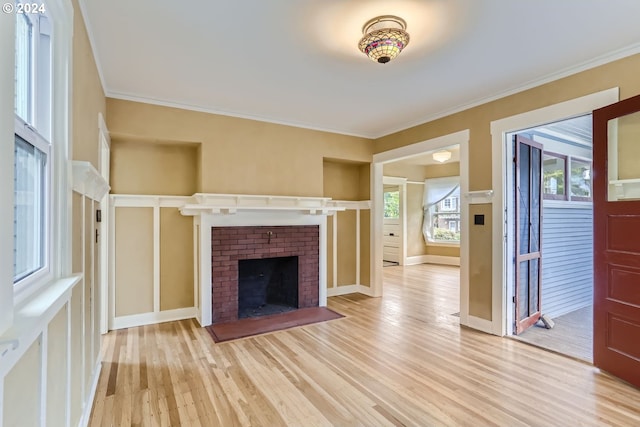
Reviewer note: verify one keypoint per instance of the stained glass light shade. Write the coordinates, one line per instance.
(384, 38)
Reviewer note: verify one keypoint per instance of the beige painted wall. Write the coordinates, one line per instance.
(147, 167)
(621, 73)
(415, 241)
(21, 386)
(402, 170)
(239, 155)
(134, 261)
(176, 260)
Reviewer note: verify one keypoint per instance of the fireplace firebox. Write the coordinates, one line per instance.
(267, 286)
(290, 246)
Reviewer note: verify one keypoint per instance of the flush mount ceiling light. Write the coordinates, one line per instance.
(442, 156)
(384, 38)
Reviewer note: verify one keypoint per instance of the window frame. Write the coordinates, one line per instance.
(568, 160)
(565, 158)
(53, 122)
(31, 136)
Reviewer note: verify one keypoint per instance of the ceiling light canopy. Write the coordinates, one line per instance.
(384, 38)
(442, 156)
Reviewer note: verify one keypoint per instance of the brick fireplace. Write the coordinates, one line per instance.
(229, 245)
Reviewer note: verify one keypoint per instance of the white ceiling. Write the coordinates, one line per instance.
(297, 62)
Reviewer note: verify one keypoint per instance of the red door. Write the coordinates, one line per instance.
(528, 211)
(616, 203)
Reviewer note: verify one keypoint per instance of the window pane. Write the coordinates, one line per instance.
(29, 209)
(553, 176)
(23, 80)
(580, 178)
(445, 216)
(391, 204)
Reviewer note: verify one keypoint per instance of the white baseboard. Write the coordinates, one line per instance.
(88, 404)
(349, 289)
(479, 324)
(432, 259)
(342, 290)
(152, 318)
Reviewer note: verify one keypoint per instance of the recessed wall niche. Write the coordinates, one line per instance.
(152, 167)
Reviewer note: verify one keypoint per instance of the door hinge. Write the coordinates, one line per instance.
(513, 298)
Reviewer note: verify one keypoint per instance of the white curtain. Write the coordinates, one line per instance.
(435, 191)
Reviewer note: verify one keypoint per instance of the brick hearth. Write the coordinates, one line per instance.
(231, 244)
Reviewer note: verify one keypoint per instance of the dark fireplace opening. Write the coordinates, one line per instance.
(267, 286)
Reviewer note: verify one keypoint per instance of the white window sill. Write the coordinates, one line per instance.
(33, 314)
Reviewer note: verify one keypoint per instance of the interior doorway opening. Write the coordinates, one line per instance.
(401, 165)
(549, 197)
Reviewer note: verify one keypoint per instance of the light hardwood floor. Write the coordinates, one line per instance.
(397, 360)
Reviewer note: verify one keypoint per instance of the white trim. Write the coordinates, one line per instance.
(458, 138)
(480, 324)
(196, 268)
(365, 290)
(343, 290)
(88, 181)
(32, 317)
(67, 308)
(156, 259)
(152, 318)
(105, 161)
(358, 246)
(44, 359)
(88, 406)
(479, 196)
(501, 166)
(1, 400)
(256, 218)
(433, 259)
(83, 287)
(112, 263)
(148, 201)
(334, 254)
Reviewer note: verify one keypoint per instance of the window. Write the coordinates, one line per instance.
(32, 148)
(392, 204)
(566, 177)
(441, 221)
(554, 176)
(580, 179)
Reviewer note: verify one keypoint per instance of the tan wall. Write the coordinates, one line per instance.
(346, 248)
(239, 155)
(176, 260)
(145, 167)
(134, 261)
(21, 386)
(402, 170)
(621, 73)
(365, 245)
(341, 181)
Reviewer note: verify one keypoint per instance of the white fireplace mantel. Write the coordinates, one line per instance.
(229, 204)
(238, 210)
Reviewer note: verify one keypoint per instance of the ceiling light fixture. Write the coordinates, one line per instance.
(384, 38)
(442, 156)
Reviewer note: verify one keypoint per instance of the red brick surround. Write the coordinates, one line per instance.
(230, 244)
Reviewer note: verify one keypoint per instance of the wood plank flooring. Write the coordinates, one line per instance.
(399, 360)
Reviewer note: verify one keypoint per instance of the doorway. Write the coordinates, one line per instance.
(549, 194)
(392, 163)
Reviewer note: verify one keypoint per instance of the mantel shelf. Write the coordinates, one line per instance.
(229, 204)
